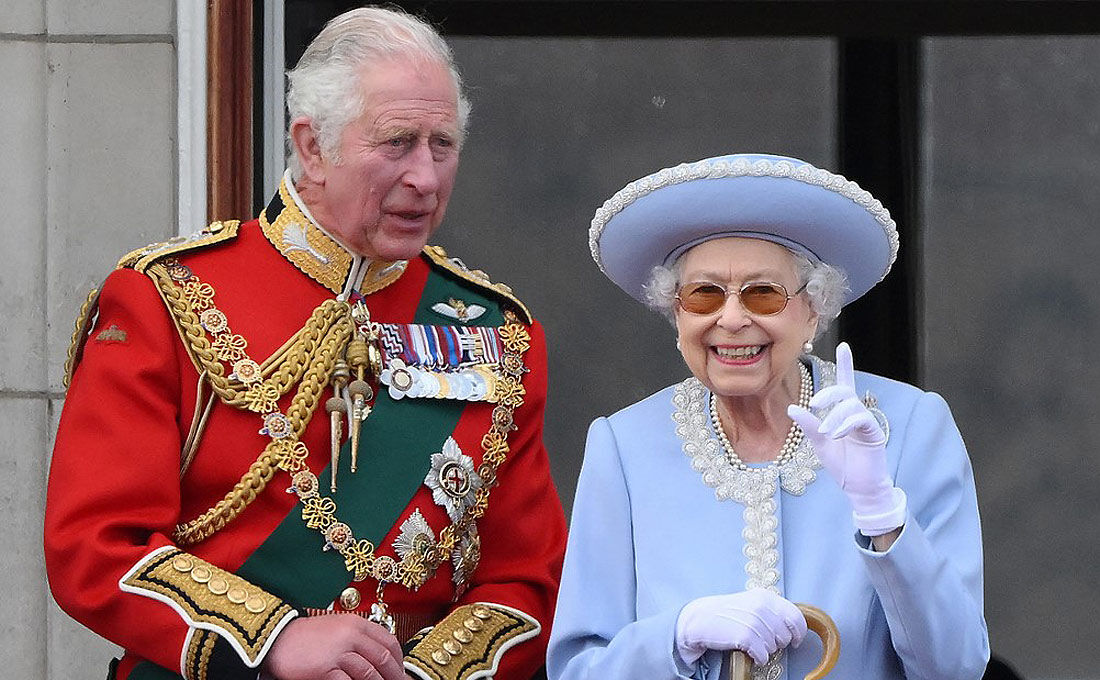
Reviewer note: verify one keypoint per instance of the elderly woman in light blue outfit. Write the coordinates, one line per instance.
(769, 477)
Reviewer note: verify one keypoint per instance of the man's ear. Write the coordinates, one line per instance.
(304, 138)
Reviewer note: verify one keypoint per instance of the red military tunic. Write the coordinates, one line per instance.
(191, 540)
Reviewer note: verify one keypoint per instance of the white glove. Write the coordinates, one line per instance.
(852, 447)
(756, 621)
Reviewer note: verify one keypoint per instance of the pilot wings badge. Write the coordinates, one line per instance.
(454, 308)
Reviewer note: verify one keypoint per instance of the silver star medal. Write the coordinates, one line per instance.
(465, 558)
(452, 479)
(416, 536)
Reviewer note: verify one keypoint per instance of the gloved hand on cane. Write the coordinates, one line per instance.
(852, 446)
(757, 621)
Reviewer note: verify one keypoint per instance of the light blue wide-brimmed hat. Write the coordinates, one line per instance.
(655, 219)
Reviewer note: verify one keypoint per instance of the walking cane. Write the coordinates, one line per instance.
(816, 620)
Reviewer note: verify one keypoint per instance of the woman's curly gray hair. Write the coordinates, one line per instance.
(825, 286)
(324, 85)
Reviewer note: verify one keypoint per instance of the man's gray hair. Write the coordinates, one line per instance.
(825, 286)
(324, 86)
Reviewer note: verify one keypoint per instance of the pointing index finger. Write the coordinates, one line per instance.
(845, 373)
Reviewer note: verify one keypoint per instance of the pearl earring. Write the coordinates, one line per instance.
(807, 347)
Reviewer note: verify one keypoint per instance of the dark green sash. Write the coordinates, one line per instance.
(395, 447)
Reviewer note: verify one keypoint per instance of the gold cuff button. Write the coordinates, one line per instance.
(463, 635)
(440, 657)
(182, 563)
(255, 604)
(237, 595)
(473, 624)
(452, 647)
(201, 574)
(482, 613)
(218, 586)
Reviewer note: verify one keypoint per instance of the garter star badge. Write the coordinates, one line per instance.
(452, 479)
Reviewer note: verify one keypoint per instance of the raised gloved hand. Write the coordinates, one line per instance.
(755, 621)
(852, 447)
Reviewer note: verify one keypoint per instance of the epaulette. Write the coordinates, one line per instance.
(139, 260)
(216, 232)
(437, 256)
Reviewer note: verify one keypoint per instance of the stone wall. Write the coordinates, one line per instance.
(88, 113)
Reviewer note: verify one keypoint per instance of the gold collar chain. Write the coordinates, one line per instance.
(313, 360)
(416, 567)
(307, 360)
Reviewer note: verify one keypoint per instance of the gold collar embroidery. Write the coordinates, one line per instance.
(317, 254)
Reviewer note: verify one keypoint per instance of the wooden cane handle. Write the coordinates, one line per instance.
(816, 620)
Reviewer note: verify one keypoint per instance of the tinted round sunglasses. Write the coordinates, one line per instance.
(763, 298)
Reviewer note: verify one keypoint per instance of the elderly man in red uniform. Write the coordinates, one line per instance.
(310, 445)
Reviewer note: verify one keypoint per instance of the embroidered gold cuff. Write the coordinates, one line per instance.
(211, 599)
(468, 643)
(196, 659)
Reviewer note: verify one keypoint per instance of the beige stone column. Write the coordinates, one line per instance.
(88, 171)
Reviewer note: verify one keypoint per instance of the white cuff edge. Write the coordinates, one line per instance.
(219, 630)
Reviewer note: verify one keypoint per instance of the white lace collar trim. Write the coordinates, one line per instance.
(701, 445)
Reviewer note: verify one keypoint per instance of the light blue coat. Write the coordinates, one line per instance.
(648, 535)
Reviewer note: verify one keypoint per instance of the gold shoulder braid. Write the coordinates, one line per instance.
(307, 360)
(215, 232)
(85, 319)
(139, 259)
(191, 303)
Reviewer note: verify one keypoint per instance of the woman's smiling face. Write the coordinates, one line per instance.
(731, 351)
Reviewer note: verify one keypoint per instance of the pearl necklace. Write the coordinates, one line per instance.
(794, 435)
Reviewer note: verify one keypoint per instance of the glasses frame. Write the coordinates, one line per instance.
(738, 291)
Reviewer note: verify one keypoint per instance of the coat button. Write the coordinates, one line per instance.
(350, 599)
(482, 613)
(218, 586)
(452, 647)
(462, 635)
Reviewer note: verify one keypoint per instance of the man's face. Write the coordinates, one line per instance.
(389, 190)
